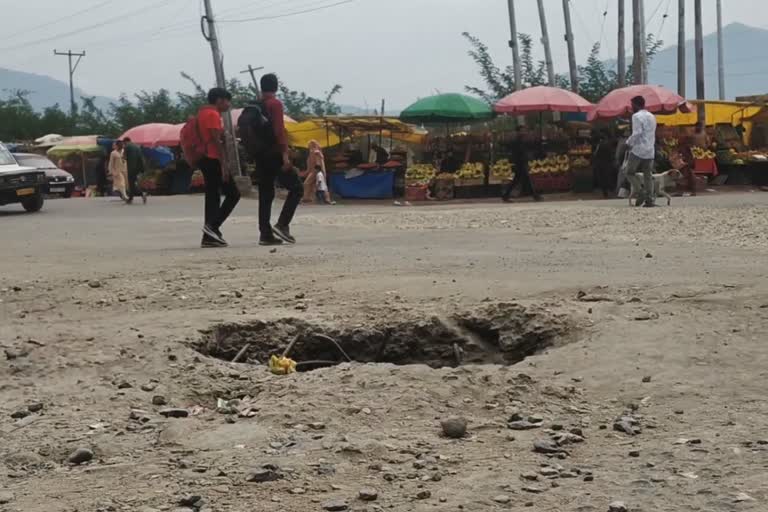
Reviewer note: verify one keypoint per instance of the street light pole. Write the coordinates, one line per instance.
(72, 69)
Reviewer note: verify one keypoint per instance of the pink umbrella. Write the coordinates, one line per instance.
(155, 134)
(658, 100)
(542, 99)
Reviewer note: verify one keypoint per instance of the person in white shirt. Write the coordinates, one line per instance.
(642, 152)
(321, 187)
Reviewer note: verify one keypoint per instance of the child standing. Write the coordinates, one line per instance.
(321, 187)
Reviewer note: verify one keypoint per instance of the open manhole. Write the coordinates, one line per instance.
(503, 333)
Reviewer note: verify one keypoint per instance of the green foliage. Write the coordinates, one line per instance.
(595, 79)
(19, 121)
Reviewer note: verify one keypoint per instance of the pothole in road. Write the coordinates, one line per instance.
(503, 333)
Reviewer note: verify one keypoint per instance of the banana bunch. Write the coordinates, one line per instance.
(281, 365)
(671, 142)
(702, 154)
(471, 171)
(579, 162)
(420, 172)
(584, 149)
(551, 165)
(503, 169)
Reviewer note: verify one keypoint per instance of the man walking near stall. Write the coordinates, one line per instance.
(274, 164)
(134, 160)
(205, 133)
(642, 152)
(522, 175)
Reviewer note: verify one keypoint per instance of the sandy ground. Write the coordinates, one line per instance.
(102, 307)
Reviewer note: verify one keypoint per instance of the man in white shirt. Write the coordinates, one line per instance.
(642, 152)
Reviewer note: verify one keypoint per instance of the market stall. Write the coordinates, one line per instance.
(85, 158)
(724, 149)
(462, 156)
(351, 175)
(562, 149)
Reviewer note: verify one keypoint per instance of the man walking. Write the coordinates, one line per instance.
(215, 167)
(135, 162)
(522, 175)
(274, 164)
(642, 152)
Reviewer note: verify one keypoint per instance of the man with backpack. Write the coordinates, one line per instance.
(262, 129)
(203, 143)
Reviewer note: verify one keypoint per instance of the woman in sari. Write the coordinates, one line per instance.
(118, 170)
(315, 162)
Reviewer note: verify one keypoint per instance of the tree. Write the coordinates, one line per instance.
(595, 79)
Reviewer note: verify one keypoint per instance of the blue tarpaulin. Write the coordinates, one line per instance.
(160, 156)
(368, 185)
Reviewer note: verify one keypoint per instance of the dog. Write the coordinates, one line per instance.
(661, 183)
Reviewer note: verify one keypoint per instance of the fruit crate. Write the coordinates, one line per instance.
(416, 193)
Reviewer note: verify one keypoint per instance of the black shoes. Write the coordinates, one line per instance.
(214, 234)
(270, 241)
(283, 233)
(210, 243)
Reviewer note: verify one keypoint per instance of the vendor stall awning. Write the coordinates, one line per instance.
(718, 112)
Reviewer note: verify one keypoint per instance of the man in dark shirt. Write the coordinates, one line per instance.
(382, 156)
(275, 165)
(135, 163)
(522, 174)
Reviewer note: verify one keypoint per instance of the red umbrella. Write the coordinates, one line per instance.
(658, 100)
(542, 99)
(155, 134)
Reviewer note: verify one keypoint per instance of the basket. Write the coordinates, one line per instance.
(416, 193)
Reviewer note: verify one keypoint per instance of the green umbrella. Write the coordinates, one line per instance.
(447, 108)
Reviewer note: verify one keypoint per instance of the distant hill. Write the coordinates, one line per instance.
(746, 69)
(44, 91)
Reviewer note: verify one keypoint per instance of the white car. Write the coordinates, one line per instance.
(60, 182)
(25, 185)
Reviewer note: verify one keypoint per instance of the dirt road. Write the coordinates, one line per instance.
(639, 335)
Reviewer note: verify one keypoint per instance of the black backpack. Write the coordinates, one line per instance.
(255, 129)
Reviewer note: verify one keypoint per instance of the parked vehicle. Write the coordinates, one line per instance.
(18, 184)
(60, 182)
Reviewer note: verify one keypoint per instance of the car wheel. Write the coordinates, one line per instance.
(33, 204)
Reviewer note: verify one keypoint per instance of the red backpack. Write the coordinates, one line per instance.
(191, 141)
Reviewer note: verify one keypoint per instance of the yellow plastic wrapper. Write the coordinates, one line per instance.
(282, 365)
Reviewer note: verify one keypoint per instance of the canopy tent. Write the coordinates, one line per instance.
(447, 108)
(155, 134)
(386, 127)
(733, 113)
(64, 150)
(301, 134)
(658, 100)
(542, 99)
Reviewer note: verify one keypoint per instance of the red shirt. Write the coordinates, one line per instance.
(209, 118)
(275, 111)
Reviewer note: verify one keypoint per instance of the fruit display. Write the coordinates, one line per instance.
(583, 149)
(580, 163)
(420, 173)
(734, 157)
(502, 170)
(445, 176)
(551, 165)
(671, 142)
(702, 154)
(471, 171)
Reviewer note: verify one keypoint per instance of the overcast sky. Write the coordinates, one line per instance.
(394, 49)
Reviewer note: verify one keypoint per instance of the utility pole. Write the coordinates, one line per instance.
(637, 53)
(218, 66)
(571, 49)
(643, 44)
(700, 91)
(252, 71)
(72, 69)
(622, 56)
(720, 51)
(545, 42)
(681, 89)
(513, 44)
